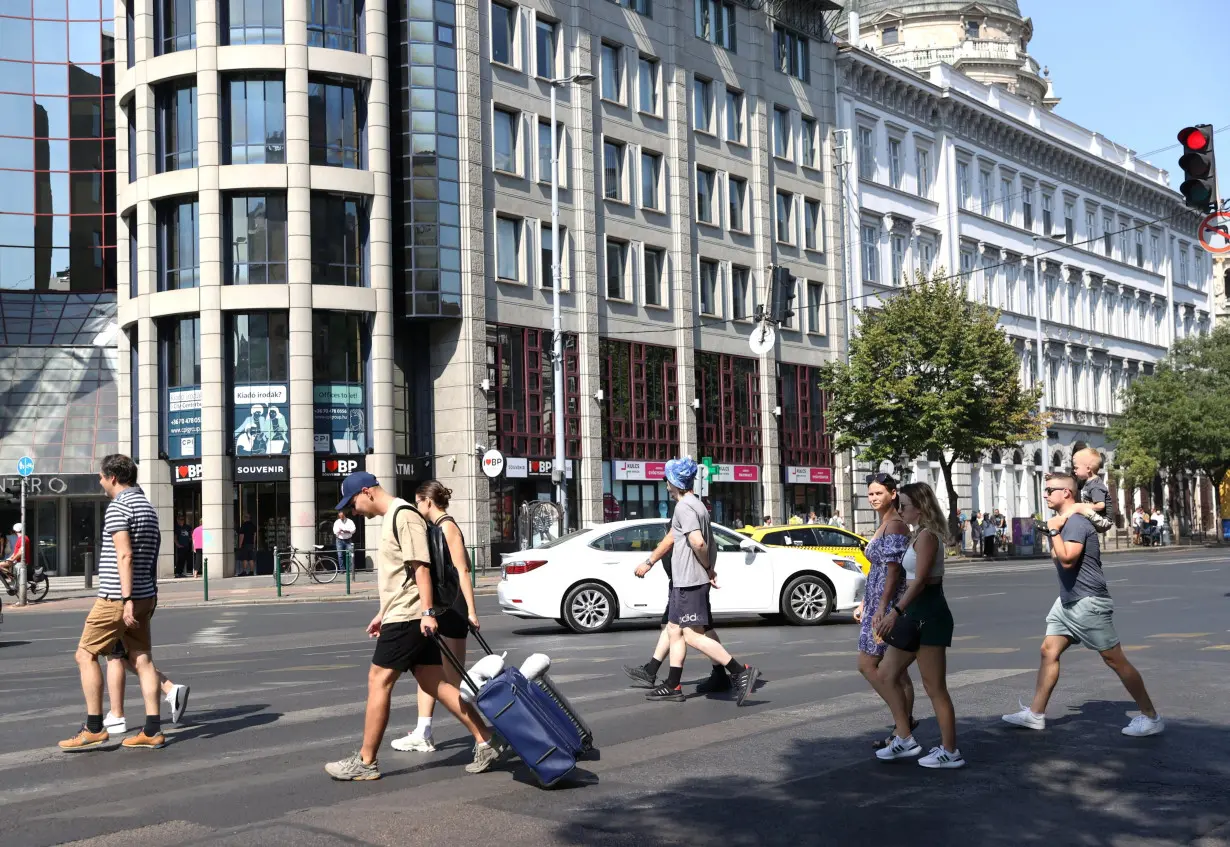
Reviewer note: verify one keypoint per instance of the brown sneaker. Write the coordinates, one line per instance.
(85, 740)
(141, 741)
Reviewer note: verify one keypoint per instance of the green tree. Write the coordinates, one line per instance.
(930, 372)
(1178, 418)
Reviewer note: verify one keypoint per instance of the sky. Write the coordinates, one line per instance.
(1138, 71)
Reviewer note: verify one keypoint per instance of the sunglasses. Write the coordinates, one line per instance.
(881, 478)
(1050, 491)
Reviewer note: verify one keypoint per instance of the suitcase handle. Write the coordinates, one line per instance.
(452, 660)
(482, 642)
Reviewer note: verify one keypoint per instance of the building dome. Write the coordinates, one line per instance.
(869, 8)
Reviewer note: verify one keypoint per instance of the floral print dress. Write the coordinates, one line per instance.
(882, 550)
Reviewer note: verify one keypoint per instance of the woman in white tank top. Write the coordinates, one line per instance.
(920, 626)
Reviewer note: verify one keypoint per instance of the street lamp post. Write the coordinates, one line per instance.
(557, 331)
(1041, 342)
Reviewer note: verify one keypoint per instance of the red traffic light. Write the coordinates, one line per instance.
(1194, 138)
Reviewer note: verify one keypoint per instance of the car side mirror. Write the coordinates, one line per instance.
(747, 545)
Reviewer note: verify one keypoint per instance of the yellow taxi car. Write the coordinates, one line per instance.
(829, 539)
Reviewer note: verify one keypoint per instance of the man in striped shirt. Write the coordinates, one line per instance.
(127, 594)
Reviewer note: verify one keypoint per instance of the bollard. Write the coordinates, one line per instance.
(473, 575)
(205, 577)
(277, 571)
(349, 557)
(88, 567)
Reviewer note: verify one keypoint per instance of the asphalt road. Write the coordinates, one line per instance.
(278, 691)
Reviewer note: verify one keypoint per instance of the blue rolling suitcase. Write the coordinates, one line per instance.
(533, 724)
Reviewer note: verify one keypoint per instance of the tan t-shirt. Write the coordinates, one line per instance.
(399, 598)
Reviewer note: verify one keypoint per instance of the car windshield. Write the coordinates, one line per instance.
(566, 537)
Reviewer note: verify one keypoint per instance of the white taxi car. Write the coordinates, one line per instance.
(585, 580)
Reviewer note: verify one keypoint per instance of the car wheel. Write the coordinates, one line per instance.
(589, 608)
(807, 600)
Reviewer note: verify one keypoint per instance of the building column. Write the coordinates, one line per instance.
(679, 193)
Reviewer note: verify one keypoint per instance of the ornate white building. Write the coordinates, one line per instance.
(1036, 213)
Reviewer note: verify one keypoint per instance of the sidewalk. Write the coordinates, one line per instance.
(965, 558)
(69, 594)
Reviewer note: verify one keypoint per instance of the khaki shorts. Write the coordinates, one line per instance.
(104, 625)
(1088, 621)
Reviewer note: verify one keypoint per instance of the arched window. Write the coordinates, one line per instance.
(1018, 458)
(996, 458)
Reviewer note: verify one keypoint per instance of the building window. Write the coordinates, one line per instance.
(811, 147)
(736, 187)
(988, 197)
(926, 257)
(547, 253)
(175, 103)
(1091, 225)
(706, 186)
(715, 22)
(1069, 221)
(641, 7)
(742, 297)
(870, 237)
(508, 249)
(130, 33)
(866, 154)
(785, 219)
(1155, 251)
(130, 221)
(613, 171)
(335, 24)
(547, 39)
(1108, 228)
(260, 347)
(1047, 214)
(174, 25)
(894, 162)
(1183, 273)
(339, 240)
(616, 269)
(1027, 205)
(793, 53)
(544, 154)
(888, 36)
(179, 260)
(965, 191)
(1005, 199)
(709, 291)
(898, 257)
(971, 29)
(255, 239)
(781, 132)
(813, 231)
(504, 141)
(702, 104)
(815, 307)
(1123, 239)
(1140, 249)
(612, 73)
(734, 115)
(503, 34)
(651, 175)
(655, 261)
(922, 171)
(250, 22)
(254, 122)
(647, 77)
(335, 124)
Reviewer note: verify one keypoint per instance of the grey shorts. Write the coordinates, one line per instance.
(689, 606)
(1088, 621)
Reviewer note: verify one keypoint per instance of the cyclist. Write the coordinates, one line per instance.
(19, 546)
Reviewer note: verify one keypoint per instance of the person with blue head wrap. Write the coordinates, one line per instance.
(681, 473)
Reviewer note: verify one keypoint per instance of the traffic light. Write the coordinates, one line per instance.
(1199, 188)
(781, 295)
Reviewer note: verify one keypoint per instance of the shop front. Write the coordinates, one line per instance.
(523, 481)
(634, 489)
(808, 491)
(734, 496)
(262, 499)
(330, 471)
(64, 518)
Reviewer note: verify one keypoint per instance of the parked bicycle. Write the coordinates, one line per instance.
(37, 584)
(321, 567)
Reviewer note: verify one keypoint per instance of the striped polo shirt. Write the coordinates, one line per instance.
(132, 513)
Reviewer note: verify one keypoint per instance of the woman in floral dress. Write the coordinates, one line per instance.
(885, 583)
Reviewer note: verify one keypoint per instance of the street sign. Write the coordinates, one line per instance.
(25, 466)
(493, 463)
(1214, 233)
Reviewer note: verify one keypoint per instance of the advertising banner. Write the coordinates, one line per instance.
(339, 419)
(638, 471)
(735, 473)
(262, 422)
(818, 476)
(184, 422)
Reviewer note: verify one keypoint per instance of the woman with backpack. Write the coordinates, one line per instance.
(431, 499)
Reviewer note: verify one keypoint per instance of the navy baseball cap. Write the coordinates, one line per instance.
(353, 484)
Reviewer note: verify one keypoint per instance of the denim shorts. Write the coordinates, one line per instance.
(1088, 621)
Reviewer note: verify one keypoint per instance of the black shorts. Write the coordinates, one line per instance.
(402, 647)
(453, 624)
(666, 613)
(689, 606)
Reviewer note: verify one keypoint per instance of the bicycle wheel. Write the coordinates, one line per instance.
(325, 570)
(290, 570)
(38, 590)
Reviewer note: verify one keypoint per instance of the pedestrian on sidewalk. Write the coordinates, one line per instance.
(343, 535)
(989, 531)
(885, 587)
(127, 594)
(1083, 613)
(693, 559)
(183, 546)
(405, 628)
(837, 521)
(246, 556)
(432, 500)
(198, 548)
(920, 627)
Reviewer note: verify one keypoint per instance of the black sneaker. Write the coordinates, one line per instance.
(638, 674)
(662, 692)
(744, 682)
(718, 682)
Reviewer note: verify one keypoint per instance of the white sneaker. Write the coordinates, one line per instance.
(901, 748)
(1026, 718)
(1143, 725)
(941, 758)
(177, 699)
(113, 724)
(414, 743)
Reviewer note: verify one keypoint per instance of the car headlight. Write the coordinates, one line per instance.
(850, 565)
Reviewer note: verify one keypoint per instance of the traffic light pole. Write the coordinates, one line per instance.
(22, 539)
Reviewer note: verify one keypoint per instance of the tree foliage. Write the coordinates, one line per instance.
(1178, 418)
(930, 372)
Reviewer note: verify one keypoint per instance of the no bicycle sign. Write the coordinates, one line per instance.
(1214, 233)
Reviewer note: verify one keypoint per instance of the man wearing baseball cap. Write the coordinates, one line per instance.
(404, 627)
(693, 558)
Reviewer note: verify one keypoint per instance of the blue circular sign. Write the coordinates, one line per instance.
(25, 466)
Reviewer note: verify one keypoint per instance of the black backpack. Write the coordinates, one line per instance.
(445, 586)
